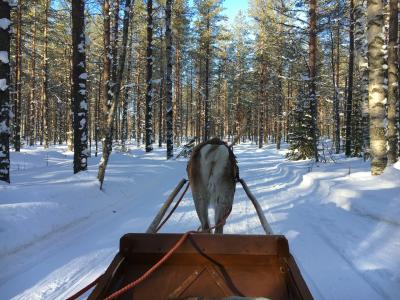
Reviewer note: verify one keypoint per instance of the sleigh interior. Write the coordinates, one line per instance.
(205, 266)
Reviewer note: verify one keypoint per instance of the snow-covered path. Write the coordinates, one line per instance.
(58, 231)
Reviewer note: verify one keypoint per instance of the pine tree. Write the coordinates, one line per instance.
(45, 80)
(18, 78)
(108, 139)
(361, 52)
(300, 130)
(169, 110)
(313, 73)
(149, 79)
(349, 103)
(207, 22)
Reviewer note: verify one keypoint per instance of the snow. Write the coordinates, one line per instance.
(81, 47)
(83, 76)
(58, 231)
(157, 81)
(4, 57)
(3, 127)
(3, 84)
(83, 105)
(82, 123)
(4, 23)
(12, 3)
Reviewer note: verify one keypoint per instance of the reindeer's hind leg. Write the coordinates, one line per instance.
(222, 208)
(201, 204)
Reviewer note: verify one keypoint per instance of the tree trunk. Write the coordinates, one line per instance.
(97, 117)
(149, 79)
(376, 89)
(169, 110)
(392, 83)
(349, 103)
(115, 7)
(18, 71)
(361, 49)
(206, 83)
(336, 118)
(261, 95)
(138, 109)
(124, 129)
(107, 145)
(79, 77)
(45, 98)
(5, 105)
(313, 73)
(32, 94)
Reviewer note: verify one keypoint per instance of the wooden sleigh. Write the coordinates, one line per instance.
(202, 265)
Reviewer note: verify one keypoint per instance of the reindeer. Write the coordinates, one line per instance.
(213, 173)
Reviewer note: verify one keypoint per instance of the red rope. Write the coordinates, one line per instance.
(161, 261)
(85, 289)
(152, 269)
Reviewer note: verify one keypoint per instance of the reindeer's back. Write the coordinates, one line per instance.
(212, 158)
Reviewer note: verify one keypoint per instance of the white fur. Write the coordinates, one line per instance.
(214, 186)
(213, 167)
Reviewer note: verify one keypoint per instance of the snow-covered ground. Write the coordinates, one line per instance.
(58, 231)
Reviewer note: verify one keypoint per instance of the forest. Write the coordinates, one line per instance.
(321, 76)
(282, 115)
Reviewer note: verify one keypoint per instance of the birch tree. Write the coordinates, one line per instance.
(79, 77)
(393, 83)
(376, 86)
(5, 110)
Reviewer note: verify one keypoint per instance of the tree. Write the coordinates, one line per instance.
(313, 72)
(107, 89)
(376, 89)
(79, 77)
(18, 71)
(208, 17)
(169, 110)
(45, 79)
(301, 140)
(5, 110)
(349, 103)
(108, 139)
(393, 83)
(149, 79)
(32, 95)
(361, 56)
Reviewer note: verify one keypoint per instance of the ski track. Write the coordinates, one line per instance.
(67, 258)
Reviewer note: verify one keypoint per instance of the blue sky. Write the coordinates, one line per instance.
(232, 7)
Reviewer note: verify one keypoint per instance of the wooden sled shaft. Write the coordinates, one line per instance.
(153, 226)
(260, 213)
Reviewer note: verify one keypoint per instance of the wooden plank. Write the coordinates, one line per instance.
(228, 244)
